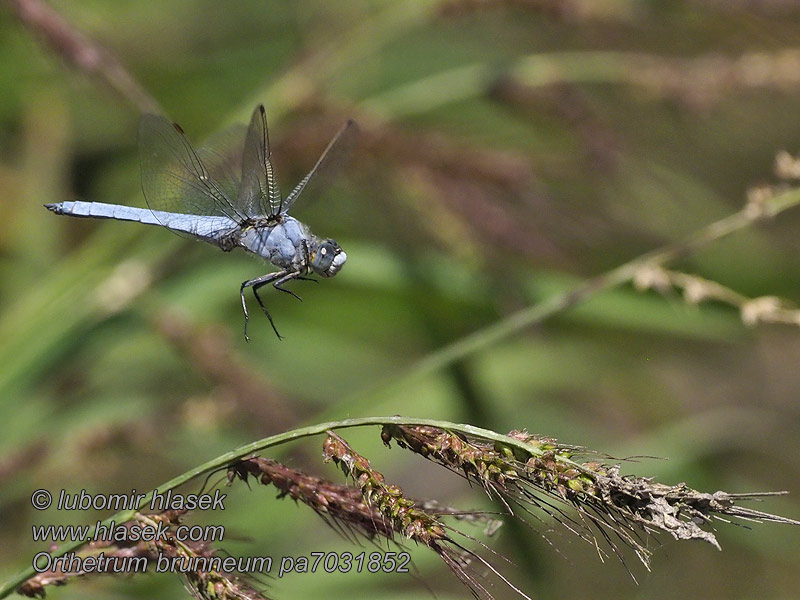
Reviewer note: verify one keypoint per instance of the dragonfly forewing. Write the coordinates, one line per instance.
(332, 159)
(259, 194)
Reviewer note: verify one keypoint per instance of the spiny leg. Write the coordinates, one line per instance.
(284, 279)
(255, 284)
(264, 308)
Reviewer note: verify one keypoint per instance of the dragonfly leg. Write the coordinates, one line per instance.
(284, 279)
(255, 284)
(264, 308)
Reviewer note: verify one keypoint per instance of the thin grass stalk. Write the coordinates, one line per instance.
(756, 210)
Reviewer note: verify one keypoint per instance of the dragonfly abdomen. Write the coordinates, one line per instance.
(99, 210)
(210, 228)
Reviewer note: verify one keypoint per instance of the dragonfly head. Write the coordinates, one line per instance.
(327, 258)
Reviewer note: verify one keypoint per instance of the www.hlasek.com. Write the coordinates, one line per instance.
(71, 562)
(113, 532)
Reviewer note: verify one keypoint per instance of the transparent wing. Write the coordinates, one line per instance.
(259, 194)
(222, 156)
(176, 179)
(332, 159)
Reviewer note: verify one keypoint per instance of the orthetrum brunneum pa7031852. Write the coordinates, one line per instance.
(228, 196)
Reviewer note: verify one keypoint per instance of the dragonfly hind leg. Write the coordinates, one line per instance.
(255, 284)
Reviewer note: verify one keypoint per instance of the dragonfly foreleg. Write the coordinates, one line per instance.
(255, 284)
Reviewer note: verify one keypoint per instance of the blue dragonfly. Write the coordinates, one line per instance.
(229, 197)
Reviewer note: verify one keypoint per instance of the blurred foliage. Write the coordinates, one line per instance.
(508, 147)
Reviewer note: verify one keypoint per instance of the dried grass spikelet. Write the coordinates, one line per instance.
(409, 517)
(206, 583)
(608, 504)
(340, 506)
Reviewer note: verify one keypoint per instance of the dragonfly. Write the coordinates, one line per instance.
(228, 195)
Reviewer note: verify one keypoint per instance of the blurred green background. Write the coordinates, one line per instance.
(509, 149)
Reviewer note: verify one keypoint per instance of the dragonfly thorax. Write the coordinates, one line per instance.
(269, 221)
(290, 245)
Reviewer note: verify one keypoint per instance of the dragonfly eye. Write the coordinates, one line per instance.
(328, 259)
